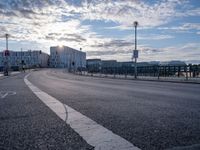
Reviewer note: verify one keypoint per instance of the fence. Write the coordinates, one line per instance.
(156, 71)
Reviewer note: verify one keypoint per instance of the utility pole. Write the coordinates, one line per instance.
(7, 53)
(135, 52)
(81, 60)
(21, 59)
(6, 35)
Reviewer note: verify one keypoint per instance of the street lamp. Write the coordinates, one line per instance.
(7, 35)
(81, 60)
(135, 52)
(6, 67)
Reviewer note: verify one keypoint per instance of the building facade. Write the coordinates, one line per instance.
(66, 57)
(93, 65)
(16, 59)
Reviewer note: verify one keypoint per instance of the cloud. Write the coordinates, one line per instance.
(155, 37)
(72, 37)
(107, 53)
(188, 52)
(113, 44)
(118, 11)
(183, 27)
(190, 11)
(148, 14)
(50, 22)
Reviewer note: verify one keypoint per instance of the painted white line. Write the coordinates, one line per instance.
(93, 133)
(3, 94)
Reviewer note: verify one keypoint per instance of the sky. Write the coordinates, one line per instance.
(167, 30)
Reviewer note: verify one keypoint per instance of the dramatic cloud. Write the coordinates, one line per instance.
(114, 43)
(100, 27)
(183, 27)
(156, 37)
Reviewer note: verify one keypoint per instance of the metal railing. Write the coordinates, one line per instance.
(185, 72)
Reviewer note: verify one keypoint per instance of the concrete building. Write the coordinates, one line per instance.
(16, 59)
(173, 63)
(66, 57)
(109, 63)
(93, 65)
(96, 62)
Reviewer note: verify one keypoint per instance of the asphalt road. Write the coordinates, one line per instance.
(151, 115)
(27, 123)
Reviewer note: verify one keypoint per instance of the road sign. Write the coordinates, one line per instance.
(135, 53)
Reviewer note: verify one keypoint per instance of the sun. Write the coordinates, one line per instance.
(60, 45)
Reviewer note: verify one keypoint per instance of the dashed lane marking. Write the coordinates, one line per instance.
(92, 132)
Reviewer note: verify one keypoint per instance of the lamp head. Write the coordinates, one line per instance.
(135, 23)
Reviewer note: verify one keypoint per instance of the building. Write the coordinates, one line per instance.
(173, 63)
(66, 57)
(93, 65)
(95, 62)
(108, 63)
(29, 59)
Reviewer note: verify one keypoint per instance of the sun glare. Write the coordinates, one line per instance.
(60, 45)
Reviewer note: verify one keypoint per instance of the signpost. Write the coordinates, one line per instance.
(135, 53)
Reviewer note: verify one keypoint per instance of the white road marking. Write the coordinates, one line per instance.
(93, 133)
(3, 94)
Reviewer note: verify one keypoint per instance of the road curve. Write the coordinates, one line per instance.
(151, 115)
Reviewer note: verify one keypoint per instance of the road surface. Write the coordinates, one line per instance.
(150, 115)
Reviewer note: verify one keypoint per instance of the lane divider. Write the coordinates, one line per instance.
(93, 133)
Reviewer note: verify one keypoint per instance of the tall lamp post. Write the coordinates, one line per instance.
(6, 35)
(7, 53)
(135, 51)
(81, 60)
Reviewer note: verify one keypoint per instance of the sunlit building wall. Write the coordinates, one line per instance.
(66, 57)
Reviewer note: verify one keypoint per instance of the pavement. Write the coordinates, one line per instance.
(10, 74)
(150, 115)
(26, 123)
